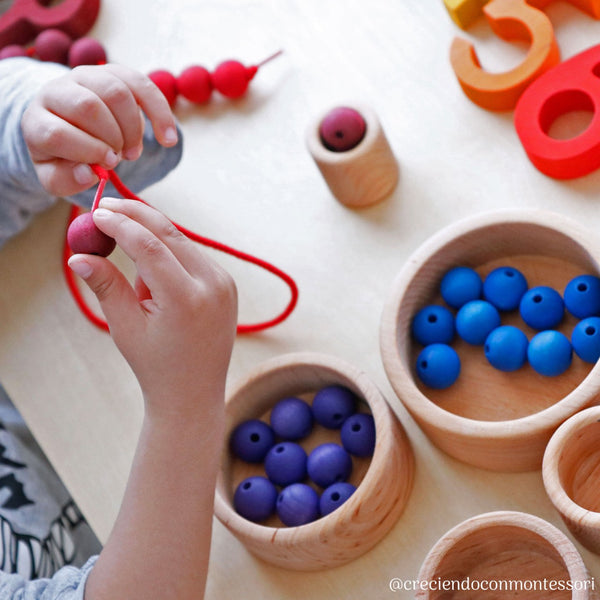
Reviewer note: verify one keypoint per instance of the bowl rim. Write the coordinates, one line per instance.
(401, 378)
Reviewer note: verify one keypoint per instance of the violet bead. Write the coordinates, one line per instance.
(285, 463)
(358, 435)
(291, 419)
(297, 504)
(332, 405)
(334, 496)
(255, 498)
(328, 463)
(251, 440)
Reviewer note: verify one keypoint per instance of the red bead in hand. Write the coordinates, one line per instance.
(86, 51)
(52, 45)
(166, 83)
(12, 50)
(85, 238)
(231, 78)
(195, 84)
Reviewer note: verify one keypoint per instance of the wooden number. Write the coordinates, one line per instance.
(464, 12)
(509, 19)
(572, 85)
(26, 18)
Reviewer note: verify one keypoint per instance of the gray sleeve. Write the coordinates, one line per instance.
(21, 194)
(67, 584)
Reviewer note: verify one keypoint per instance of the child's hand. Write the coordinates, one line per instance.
(176, 329)
(93, 114)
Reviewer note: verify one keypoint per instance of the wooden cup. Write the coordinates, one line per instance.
(383, 484)
(488, 418)
(512, 554)
(362, 176)
(571, 471)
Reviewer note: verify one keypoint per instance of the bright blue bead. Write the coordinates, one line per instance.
(504, 287)
(506, 348)
(285, 463)
(542, 308)
(582, 296)
(328, 463)
(459, 286)
(334, 496)
(433, 324)
(358, 434)
(255, 498)
(550, 353)
(291, 418)
(332, 405)
(475, 320)
(438, 366)
(251, 440)
(297, 504)
(586, 339)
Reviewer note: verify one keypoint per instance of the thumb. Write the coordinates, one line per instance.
(117, 298)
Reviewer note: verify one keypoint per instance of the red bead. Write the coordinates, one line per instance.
(52, 45)
(12, 50)
(86, 51)
(166, 83)
(231, 78)
(195, 84)
(342, 129)
(85, 238)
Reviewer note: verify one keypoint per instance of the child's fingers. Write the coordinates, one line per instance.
(64, 178)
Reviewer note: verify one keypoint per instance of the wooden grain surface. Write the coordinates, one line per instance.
(247, 179)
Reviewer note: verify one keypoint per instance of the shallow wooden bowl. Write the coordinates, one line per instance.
(488, 418)
(383, 483)
(571, 471)
(512, 554)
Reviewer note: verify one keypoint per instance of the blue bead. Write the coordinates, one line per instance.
(328, 463)
(332, 405)
(358, 434)
(582, 296)
(334, 496)
(297, 504)
(542, 308)
(504, 287)
(251, 440)
(459, 286)
(506, 348)
(291, 418)
(586, 339)
(549, 353)
(438, 366)
(285, 463)
(433, 324)
(476, 320)
(255, 498)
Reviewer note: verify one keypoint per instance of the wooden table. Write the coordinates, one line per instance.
(246, 179)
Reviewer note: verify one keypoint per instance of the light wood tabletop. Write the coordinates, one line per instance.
(247, 179)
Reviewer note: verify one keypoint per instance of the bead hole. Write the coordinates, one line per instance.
(247, 485)
(582, 287)
(487, 348)
(335, 496)
(537, 298)
(254, 437)
(424, 364)
(509, 273)
(337, 417)
(431, 319)
(590, 330)
(339, 134)
(279, 449)
(356, 427)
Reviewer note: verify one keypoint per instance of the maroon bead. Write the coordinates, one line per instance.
(85, 238)
(52, 45)
(86, 51)
(12, 50)
(342, 129)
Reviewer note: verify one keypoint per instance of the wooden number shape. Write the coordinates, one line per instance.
(572, 85)
(509, 19)
(464, 12)
(26, 18)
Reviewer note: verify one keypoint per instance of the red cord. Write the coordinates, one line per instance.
(104, 176)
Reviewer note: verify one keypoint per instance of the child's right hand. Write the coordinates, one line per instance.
(92, 115)
(176, 329)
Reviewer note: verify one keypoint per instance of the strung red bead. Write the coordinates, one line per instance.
(86, 51)
(231, 78)
(52, 45)
(195, 84)
(166, 83)
(12, 50)
(85, 238)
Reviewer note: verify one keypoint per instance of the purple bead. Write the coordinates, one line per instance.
(342, 129)
(328, 463)
(52, 45)
(292, 419)
(297, 504)
(86, 51)
(255, 498)
(358, 435)
(332, 405)
(285, 463)
(251, 440)
(334, 496)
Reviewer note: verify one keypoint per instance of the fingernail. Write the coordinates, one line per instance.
(108, 202)
(83, 174)
(111, 159)
(171, 135)
(102, 213)
(133, 153)
(80, 267)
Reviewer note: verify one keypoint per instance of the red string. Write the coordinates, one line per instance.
(104, 176)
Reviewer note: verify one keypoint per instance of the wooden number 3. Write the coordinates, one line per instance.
(26, 18)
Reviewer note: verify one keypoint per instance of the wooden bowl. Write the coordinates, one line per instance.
(571, 471)
(383, 483)
(488, 418)
(502, 550)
